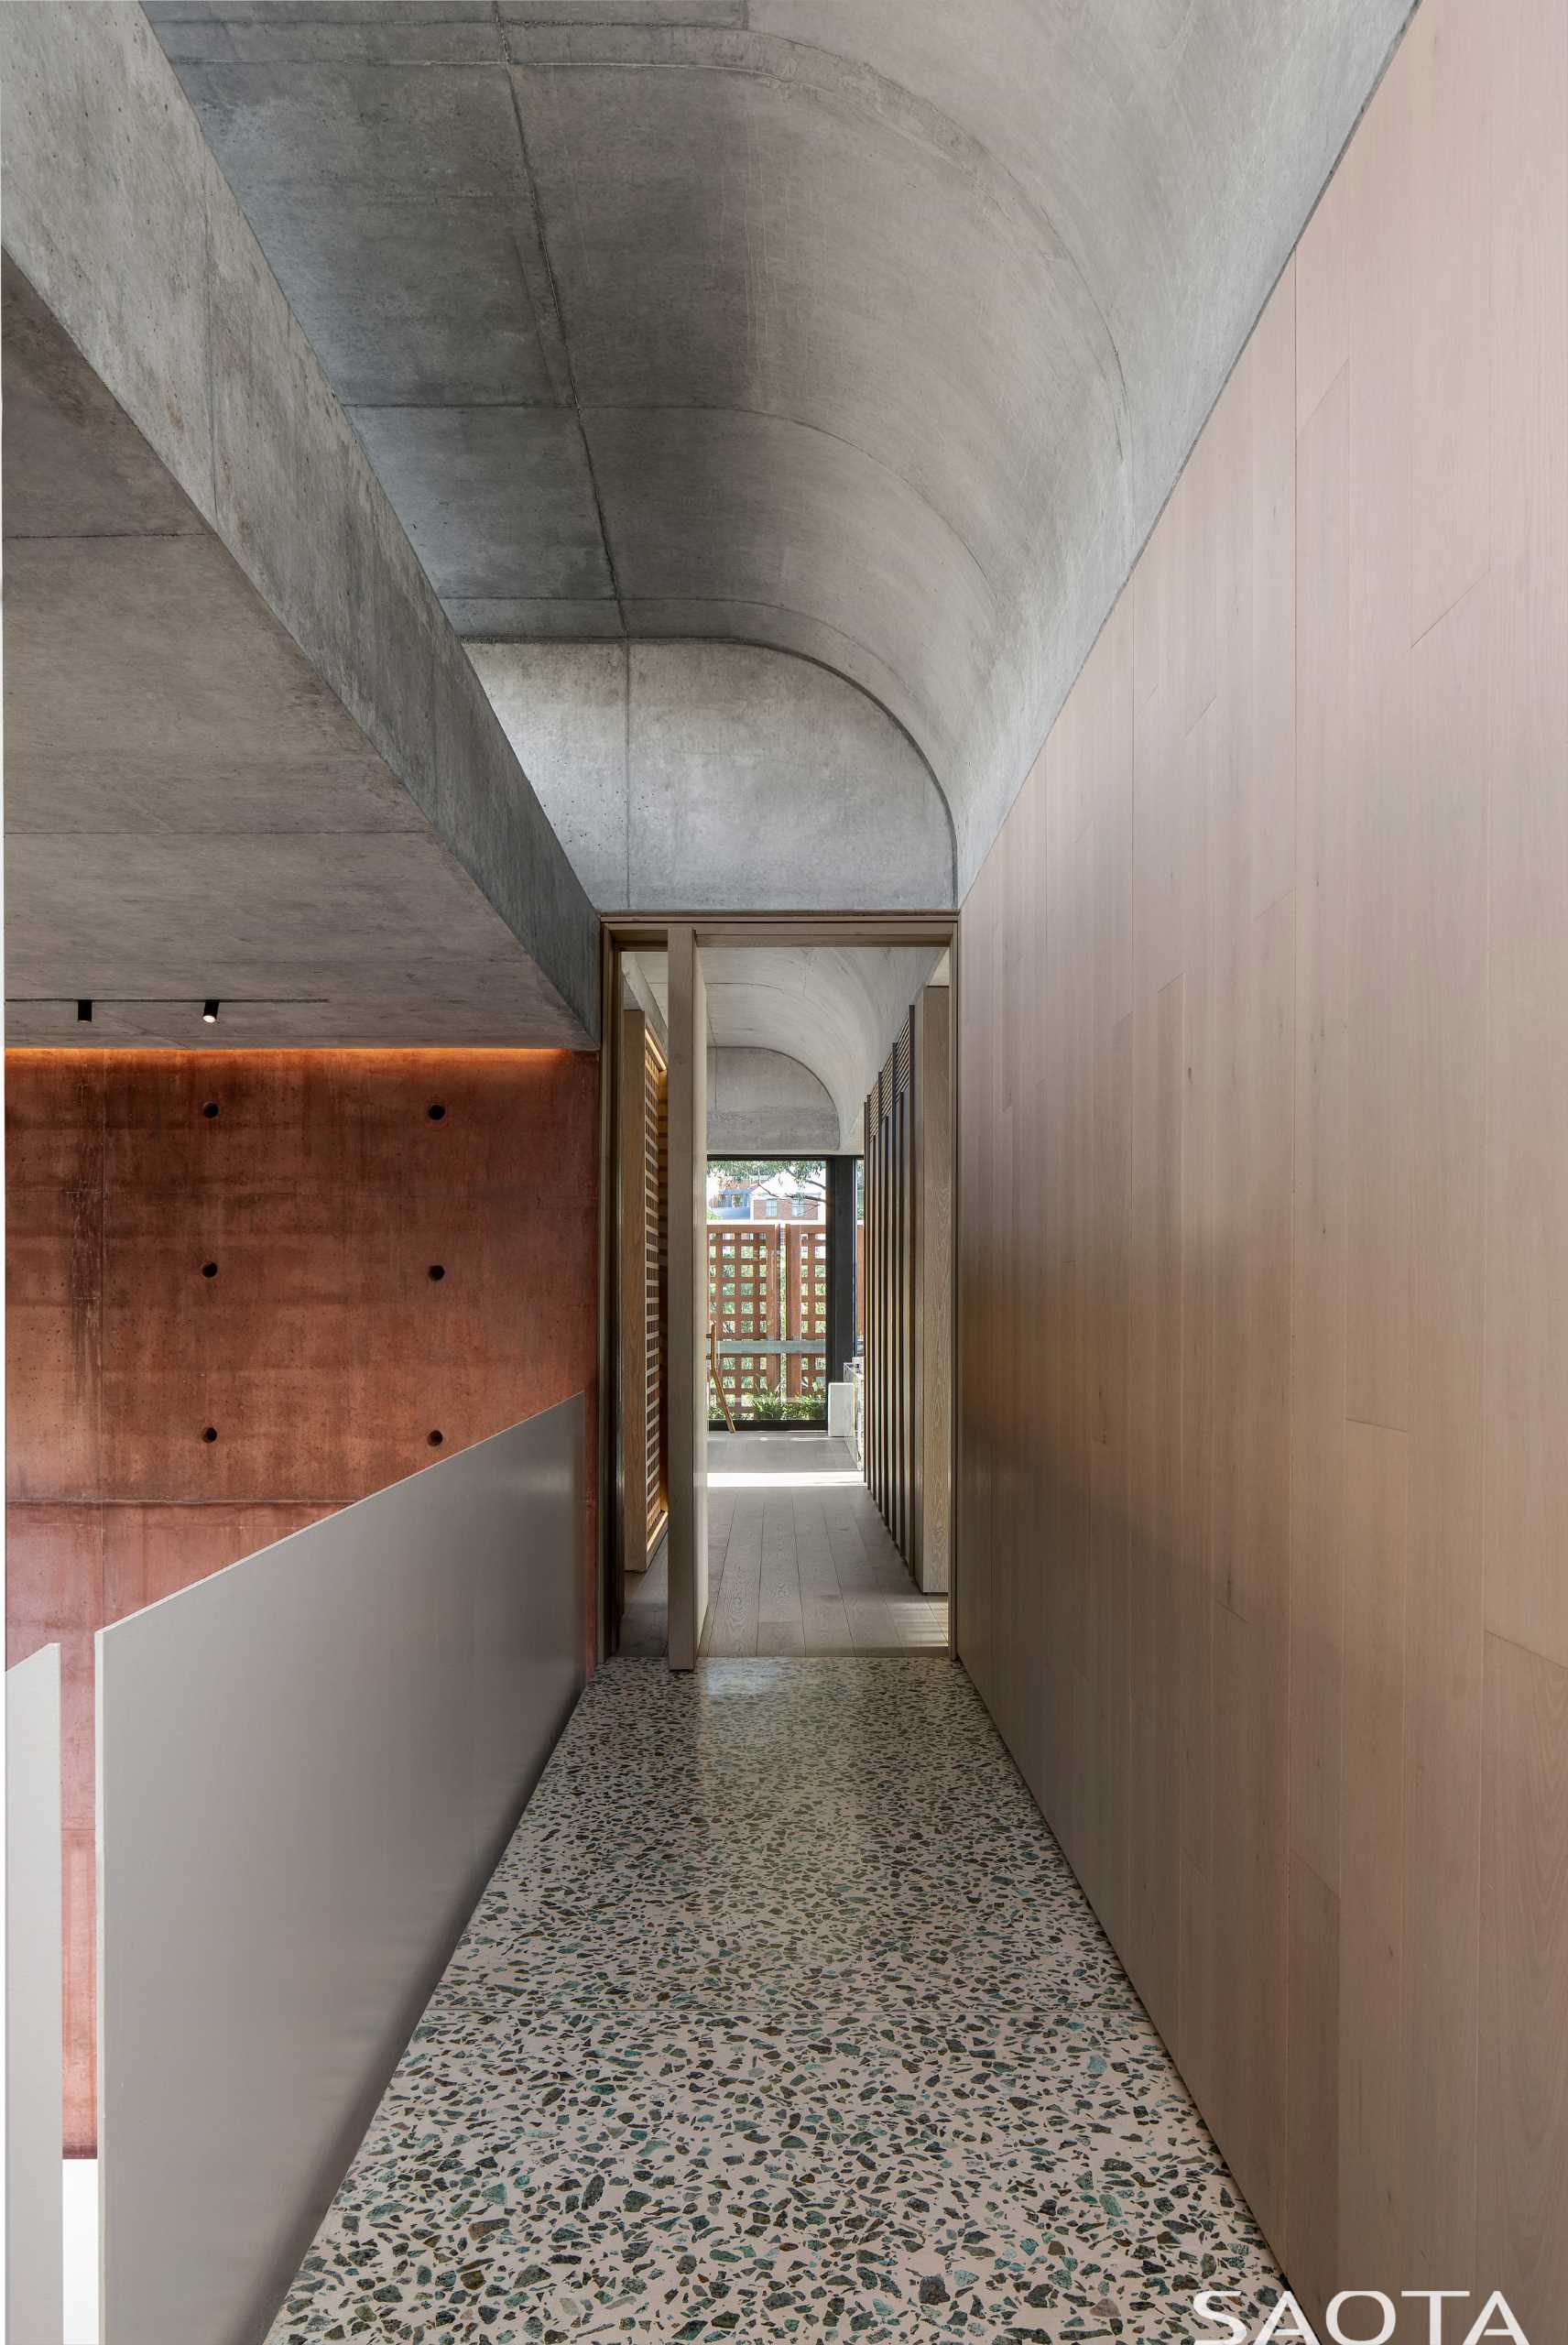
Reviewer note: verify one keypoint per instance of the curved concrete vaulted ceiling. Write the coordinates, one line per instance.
(835, 1008)
(871, 330)
(761, 1103)
(675, 773)
(832, 1009)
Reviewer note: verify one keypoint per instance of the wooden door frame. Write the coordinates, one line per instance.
(623, 933)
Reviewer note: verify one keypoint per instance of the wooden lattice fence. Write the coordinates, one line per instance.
(767, 1286)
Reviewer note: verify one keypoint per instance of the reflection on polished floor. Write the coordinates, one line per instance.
(781, 2017)
(799, 1559)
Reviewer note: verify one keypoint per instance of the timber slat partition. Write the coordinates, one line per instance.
(645, 1273)
(908, 1150)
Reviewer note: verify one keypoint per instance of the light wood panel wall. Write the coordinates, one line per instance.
(1264, 1249)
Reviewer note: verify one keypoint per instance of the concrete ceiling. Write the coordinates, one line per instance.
(190, 811)
(833, 1010)
(871, 330)
(762, 1104)
(676, 773)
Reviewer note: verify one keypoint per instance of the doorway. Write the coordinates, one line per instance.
(797, 1345)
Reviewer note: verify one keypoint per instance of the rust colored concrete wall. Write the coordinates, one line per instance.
(318, 1349)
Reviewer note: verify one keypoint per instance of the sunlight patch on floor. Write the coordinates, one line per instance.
(775, 1480)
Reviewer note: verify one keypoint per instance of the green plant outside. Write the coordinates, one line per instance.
(772, 1408)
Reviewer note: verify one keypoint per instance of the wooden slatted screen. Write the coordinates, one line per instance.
(768, 1284)
(744, 1286)
(656, 1277)
(907, 1154)
(643, 1153)
(805, 1284)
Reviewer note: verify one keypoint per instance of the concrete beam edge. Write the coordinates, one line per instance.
(117, 212)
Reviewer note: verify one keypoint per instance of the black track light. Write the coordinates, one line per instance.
(210, 1013)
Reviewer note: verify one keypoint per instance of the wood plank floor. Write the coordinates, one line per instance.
(799, 1560)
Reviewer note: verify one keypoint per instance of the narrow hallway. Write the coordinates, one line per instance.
(799, 1559)
(781, 2017)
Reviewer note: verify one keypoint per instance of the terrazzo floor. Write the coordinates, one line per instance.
(781, 2017)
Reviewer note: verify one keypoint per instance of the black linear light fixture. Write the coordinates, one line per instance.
(87, 1004)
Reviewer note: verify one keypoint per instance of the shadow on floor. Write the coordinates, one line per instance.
(644, 1622)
